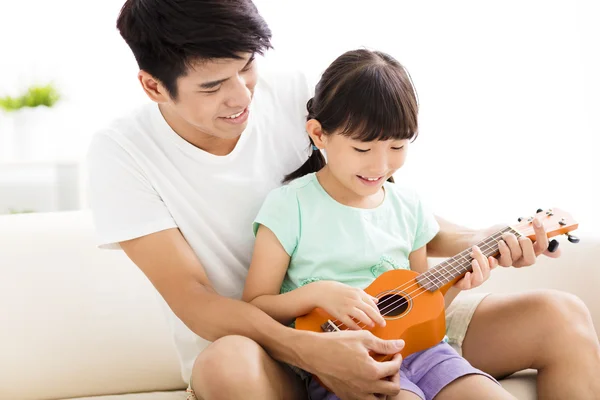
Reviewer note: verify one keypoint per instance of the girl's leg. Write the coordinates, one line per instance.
(235, 367)
(547, 330)
(474, 387)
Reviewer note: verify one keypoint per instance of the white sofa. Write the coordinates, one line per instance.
(76, 321)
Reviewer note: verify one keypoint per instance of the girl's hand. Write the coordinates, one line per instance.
(345, 302)
(482, 267)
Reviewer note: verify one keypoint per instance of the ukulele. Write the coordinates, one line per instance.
(413, 303)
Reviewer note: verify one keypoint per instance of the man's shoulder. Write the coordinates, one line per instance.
(280, 78)
(288, 89)
(134, 123)
(122, 132)
(130, 123)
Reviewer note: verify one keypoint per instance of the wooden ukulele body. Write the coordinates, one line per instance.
(412, 313)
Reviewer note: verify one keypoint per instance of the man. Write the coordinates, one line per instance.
(177, 184)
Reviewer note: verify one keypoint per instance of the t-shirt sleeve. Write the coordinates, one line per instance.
(123, 202)
(280, 213)
(427, 226)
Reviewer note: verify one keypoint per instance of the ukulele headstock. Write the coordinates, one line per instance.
(555, 222)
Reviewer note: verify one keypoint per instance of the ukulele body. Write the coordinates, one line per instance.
(412, 313)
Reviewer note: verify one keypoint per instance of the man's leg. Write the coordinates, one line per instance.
(235, 367)
(548, 330)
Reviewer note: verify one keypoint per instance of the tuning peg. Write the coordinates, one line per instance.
(562, 222)
(572, 238)
(553, 245)
(539, 210)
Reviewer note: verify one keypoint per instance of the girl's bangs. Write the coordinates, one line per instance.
(379, 105)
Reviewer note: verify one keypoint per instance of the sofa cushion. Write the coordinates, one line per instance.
(76, 321)
(178, 395)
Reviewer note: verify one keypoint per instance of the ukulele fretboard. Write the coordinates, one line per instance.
(460, 264)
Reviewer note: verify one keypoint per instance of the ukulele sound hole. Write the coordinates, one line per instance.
(392, 305)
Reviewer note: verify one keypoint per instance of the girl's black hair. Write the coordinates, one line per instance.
(364, 95)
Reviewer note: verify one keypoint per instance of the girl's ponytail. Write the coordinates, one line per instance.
(315, 162)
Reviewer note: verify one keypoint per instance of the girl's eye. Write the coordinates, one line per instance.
(361, 150)
(398, 148)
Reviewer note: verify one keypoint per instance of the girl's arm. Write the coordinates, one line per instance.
(349, 305)
(268, 268)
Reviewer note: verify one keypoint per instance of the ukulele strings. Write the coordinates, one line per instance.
(462, 259)
(488, 243)
(403, 301)
(458, 257)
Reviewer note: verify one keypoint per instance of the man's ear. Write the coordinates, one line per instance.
(153, 88)
(313, 127)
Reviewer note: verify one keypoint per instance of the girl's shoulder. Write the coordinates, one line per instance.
(300, 183)
(291, 191)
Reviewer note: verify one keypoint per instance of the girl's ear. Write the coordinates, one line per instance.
(313, 127)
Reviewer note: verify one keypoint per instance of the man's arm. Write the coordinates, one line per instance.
(451, 239)
(341, 359)
(171, 265)
(521, 252)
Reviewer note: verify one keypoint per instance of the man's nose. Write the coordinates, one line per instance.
(240, 94)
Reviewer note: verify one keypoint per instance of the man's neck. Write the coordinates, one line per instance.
(195, 137)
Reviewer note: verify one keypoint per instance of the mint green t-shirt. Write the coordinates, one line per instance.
(327, 240)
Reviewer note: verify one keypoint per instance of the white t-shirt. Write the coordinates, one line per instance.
(144, 178)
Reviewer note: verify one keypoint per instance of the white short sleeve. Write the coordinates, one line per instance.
(124, 204)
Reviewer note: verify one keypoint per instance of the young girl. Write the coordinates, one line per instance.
(338, 225)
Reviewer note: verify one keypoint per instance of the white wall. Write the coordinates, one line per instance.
(509, 90)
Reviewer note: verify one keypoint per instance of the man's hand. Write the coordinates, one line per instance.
(342, 362)
(522, 252)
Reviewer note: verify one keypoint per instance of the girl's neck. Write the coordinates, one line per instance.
(346, 196)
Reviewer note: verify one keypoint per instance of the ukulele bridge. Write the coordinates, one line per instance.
(329, 326)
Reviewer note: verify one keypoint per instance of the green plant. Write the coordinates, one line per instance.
(35, 96)
(24, 211)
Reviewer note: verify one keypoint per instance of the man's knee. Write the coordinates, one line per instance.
(230, 362)
(566, 315)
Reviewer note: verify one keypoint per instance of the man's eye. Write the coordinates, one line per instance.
(249, 65)
(210, 91)
(398, 148)
(361, 150)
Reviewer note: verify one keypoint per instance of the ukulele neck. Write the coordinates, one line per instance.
(457, 266)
